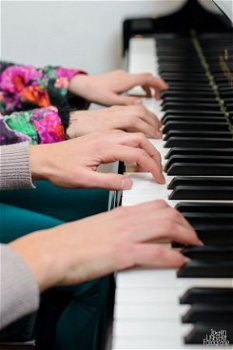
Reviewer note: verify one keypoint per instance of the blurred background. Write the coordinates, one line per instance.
(79, 34)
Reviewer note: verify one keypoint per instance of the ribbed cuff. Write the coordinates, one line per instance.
(14, 167)
(19, 291)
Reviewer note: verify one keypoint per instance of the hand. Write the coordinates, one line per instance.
(96, 246)
(74, 163)
(106, 89)
(128, 118)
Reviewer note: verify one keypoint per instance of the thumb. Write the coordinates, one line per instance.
(108, 181)
(125, 100)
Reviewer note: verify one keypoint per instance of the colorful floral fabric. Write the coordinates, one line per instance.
(24, 88)
(36, 126)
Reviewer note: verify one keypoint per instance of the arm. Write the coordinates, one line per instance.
(97, 246)
(74, 163)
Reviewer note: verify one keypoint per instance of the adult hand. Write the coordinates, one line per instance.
(128, 118)
(74, 163)
(96, 246)
(106, 89)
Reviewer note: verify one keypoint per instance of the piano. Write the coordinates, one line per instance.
(191, 308)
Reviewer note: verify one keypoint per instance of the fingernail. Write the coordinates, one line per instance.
(186, 260)
(138, 101)
(126, 183)
(200, 242)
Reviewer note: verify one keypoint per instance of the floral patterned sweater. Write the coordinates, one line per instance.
(35, 103)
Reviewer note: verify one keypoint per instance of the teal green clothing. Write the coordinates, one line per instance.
(62, 204)
(70, 318)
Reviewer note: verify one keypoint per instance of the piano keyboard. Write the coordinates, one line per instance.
(164, 308)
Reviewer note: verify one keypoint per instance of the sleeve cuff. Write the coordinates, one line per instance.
(14, 167)
(19, 291)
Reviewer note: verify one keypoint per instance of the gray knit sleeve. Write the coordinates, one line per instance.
(19, 294)
(14, 166)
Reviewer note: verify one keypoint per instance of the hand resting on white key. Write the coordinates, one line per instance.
(96, 246)
(74, 163)
(134, 118)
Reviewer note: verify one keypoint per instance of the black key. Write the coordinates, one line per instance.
(202, 192)
(206, 159)
(200, 181)
(220, 235)
(199, 152)
(193, 142)
(204, 219)
(200, 169)
(190, 119)
(207, 296)
(201, 126)
(201, 107)
(175, 77)
(201, 134)
(209, 253)
(184, 207)
(199, 269)
(188, 99)
(216, 234)
(189, 94)
(193, 113)
(208, 313)
(202, 331)
(175, 86)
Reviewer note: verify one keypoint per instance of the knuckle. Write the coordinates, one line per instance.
(168, 227)
(174, 215)
(140, 109)
(148, 76)
(133, 120)
(141, 136)
(142, 154)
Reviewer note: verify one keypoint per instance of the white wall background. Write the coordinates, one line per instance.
(85, 34)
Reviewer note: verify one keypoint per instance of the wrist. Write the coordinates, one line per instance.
(34, 251)
(77, 84)
(38, 162)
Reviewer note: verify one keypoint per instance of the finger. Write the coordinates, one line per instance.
(149, 206)
(181, 233)
(142, 126)
(176, 216)
(132, 113)
(139, 156)
(149, 80)
(150, 118)
(107, 181)
(115, 99)
(139, 140)
(147, 91)
(164, 228)
(150, 255)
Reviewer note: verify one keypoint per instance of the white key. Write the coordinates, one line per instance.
(142, 59)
